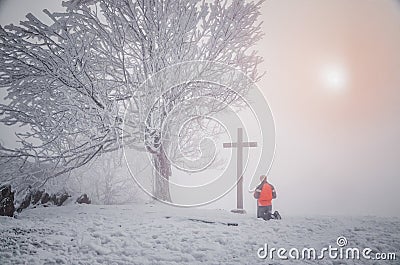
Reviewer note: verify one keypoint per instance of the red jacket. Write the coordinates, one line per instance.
(266, 195)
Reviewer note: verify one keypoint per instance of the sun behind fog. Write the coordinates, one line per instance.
(334, 77)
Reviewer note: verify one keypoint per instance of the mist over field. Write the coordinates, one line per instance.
(331, 79)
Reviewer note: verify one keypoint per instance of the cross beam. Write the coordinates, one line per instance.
(239, 145)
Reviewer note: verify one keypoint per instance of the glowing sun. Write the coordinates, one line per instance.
(334, 77)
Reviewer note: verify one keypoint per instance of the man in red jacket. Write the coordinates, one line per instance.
(265, 193)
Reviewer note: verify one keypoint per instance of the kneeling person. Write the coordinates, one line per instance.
(265, 193)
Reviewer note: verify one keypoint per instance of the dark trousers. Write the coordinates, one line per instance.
(262, 211)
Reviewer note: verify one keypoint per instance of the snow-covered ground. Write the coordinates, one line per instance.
(159, 234)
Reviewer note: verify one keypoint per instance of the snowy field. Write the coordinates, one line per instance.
(158, 234)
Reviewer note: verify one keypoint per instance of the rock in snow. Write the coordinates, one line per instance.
(59, 198)
(36, 196)
(45, 198)
(26, 200)
(83, 199)
(6, 201)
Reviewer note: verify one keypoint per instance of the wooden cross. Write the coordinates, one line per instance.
(239, 168)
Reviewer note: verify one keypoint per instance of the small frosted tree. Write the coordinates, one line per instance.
(105, 180)
(70, 83)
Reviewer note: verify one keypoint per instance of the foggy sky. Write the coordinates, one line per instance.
(337, 146)
(336, 152)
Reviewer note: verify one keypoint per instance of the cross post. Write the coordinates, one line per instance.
(239, 145)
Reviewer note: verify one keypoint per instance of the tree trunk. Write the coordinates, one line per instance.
(162, 175)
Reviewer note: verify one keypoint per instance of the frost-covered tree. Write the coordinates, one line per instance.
(70, 83)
